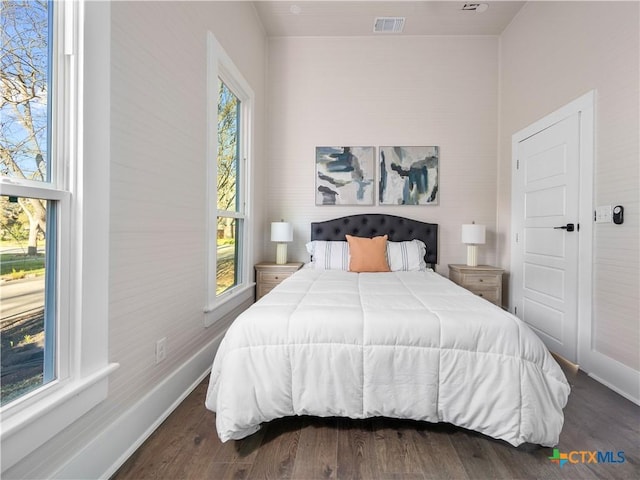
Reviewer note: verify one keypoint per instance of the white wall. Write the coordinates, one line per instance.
(377, 91)
(552, 53)
(158, 204)
(157, 210)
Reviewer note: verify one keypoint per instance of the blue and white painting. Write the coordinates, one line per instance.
(408, 176)
(344, 175)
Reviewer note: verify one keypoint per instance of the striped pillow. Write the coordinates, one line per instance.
(406, 256)
(326, 255)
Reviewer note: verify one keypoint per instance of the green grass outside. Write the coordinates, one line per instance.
(225, 241)
(13, 264)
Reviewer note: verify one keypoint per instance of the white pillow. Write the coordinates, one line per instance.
(327, 255)
(406, 256)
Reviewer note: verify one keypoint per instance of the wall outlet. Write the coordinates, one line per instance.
(603, 214)
(161, 349)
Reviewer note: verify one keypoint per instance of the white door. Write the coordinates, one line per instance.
(546, 233)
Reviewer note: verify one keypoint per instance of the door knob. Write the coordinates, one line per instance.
(569, 227)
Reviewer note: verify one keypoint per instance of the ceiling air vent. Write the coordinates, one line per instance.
(388, 25)
(475, 7)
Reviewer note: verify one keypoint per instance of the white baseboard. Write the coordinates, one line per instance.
(624, 393)
(620, 378)
(108, 451)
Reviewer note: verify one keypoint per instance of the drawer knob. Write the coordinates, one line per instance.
(277, 278)
(481, 280)
(481, 295)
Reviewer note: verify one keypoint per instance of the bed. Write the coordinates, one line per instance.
(406, 343)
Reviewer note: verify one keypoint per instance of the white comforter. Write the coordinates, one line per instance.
(405, 345)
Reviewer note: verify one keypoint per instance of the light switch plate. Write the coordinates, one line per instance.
(603, 214)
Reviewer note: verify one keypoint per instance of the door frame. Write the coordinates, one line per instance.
(584, 107)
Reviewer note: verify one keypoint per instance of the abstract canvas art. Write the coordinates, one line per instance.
(408, 175)
(345, 175)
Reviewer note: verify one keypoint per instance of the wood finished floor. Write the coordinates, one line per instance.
(186, 446)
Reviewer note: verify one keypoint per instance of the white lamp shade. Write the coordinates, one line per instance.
(473, 234)
(281, 232)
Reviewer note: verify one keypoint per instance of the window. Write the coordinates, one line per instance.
(229, 113)
(230, 215)
(31, 222)
(52, 231)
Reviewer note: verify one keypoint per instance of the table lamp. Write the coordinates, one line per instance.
(473, 235)
(281, 232)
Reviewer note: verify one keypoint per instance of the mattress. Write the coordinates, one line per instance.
(409, 345)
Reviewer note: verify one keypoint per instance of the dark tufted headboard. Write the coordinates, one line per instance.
(399, 229)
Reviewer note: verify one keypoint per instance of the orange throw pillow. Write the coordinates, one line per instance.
(368, 254)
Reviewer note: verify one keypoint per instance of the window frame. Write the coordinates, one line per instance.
(81, 192)
(221, 67)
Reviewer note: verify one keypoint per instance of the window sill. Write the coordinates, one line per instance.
(26, 430)
(227, 303)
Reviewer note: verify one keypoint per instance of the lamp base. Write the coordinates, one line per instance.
(281, 253)
(472, 255)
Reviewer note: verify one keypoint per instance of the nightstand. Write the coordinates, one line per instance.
(269, 274)
(483, 280)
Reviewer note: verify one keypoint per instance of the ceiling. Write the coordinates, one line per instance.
(356, 18)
